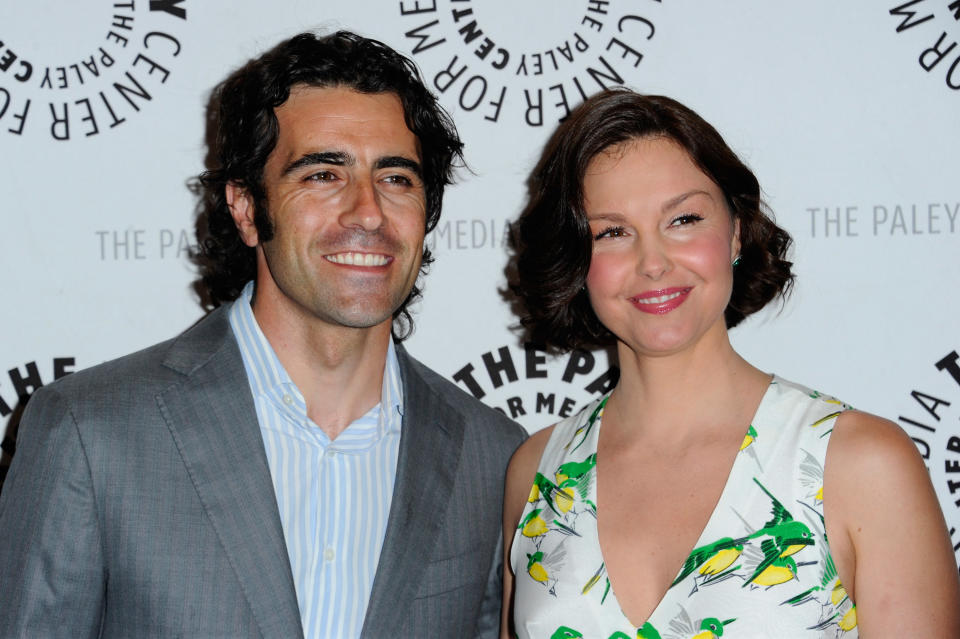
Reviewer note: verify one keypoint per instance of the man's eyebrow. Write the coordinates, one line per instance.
(338, 158)
(399, 162)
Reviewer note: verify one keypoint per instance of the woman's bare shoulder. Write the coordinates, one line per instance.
(528, 454)
(866, 443)
(877, 488)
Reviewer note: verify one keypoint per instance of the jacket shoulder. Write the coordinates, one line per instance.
(151, 369)
(476, 414)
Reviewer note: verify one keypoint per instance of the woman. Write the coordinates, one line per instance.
(698, 498)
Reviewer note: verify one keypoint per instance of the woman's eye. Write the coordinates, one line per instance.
(612, 231)
(687, 218)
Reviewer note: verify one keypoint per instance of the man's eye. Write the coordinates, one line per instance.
(402, 180)
(612, 231)
(322, 176)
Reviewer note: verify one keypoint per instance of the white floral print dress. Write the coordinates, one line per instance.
(761, 568)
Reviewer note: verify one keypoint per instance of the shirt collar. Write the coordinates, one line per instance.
(268, 378)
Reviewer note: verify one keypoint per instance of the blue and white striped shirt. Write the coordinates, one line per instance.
(334, 496)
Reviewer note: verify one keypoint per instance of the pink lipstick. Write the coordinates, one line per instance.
(661, 301)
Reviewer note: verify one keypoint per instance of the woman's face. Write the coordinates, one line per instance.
(664, 240)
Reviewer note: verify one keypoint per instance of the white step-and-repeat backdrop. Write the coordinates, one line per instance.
(849, 113)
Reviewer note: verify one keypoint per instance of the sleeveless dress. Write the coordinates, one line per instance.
(761, 567)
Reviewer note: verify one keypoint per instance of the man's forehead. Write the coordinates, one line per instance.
(323, 118)
(342, 106)
(338, 99)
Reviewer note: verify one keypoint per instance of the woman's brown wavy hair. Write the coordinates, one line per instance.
(551, 241)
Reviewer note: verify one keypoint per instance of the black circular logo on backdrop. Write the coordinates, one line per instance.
(536, 389)
(933, 29)
(117, 57)
(932, 418)
(15, 390)
(526, 62)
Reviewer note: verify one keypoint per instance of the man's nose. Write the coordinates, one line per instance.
(363, 208)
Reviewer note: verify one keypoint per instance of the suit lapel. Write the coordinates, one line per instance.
(213, 420)
(431, 442)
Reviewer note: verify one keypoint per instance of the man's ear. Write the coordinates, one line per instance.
(242, 209)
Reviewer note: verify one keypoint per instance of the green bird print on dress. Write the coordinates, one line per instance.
(712, 559)
(572, 479)
(647, 631)
(836, 608)
(782, 536)
(682, 626)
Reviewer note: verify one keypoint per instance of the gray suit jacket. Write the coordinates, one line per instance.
(140, 503)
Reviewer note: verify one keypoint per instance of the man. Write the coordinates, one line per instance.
(283, 468)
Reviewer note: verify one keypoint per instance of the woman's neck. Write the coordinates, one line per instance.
(685, 395)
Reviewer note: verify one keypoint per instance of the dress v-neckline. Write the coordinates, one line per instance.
(702, 537)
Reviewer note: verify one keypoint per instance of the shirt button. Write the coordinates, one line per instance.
(288, 400)
(331, 453)
(329, 554)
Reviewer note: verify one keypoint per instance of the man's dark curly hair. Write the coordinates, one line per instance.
(551, 241)
(246, 130)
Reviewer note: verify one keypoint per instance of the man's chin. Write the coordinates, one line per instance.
(359, 318)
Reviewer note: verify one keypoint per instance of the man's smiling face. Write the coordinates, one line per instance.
(346, 200)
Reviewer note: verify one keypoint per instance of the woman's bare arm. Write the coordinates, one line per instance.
(890, 539)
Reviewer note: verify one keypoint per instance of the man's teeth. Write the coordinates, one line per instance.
(358, 259)
(659, 300)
